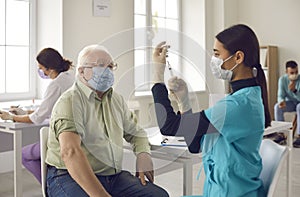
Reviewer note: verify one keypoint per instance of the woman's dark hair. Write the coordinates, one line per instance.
(242, 38)
(51, 59)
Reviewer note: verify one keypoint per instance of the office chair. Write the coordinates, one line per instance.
(273, 157)
(43, 146)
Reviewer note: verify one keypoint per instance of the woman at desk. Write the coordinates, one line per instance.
(51, 65)
(229, 134)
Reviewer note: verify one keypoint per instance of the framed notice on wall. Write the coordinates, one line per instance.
(101, 7)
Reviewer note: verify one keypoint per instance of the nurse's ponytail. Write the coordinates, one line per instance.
(242, 38)
(261, 80)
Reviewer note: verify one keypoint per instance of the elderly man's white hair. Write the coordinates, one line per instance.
(94, 54)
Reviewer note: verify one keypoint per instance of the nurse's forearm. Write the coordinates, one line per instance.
(167, 120)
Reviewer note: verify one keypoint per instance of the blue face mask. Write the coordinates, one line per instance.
(102, 79)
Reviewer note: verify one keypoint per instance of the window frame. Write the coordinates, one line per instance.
(32, 65)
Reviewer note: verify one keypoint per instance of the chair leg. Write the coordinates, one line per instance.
(294, 125)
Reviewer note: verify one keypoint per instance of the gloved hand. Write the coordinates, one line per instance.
(179, 92)
(159, 62)
(6, 116)
(17, 111)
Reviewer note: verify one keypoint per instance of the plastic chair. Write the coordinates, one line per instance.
(273, 157)
(43, 146)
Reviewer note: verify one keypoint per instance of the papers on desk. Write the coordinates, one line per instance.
(157, 139)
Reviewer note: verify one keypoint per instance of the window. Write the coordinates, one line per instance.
(165, 20)
(17, 49)
(154, 21)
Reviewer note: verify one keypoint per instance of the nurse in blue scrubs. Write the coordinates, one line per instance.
(228, 134)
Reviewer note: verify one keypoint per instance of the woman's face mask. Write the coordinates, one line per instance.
(218, 71)
(42, 74)
(102, 78)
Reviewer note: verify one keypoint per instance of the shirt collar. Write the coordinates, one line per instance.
(243, 83)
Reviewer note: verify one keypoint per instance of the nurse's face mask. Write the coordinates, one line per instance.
(102, 77)
(217, 70)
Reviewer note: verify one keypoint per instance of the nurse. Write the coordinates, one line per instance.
(229, 134)
(51, 65)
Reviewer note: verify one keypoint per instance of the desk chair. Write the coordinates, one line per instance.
(273, 156)
(43, 146)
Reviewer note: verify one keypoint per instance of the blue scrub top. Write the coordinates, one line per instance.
(231, 158)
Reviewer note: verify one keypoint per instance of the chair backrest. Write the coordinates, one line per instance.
(273, 157)
(43, 143)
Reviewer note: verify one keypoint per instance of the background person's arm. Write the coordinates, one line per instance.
(281, 90)
(78, 165)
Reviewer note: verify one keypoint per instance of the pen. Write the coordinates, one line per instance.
(177, 145)
(164, 141)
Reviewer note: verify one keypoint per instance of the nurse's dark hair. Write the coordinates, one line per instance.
(52, 59)
(242, 38)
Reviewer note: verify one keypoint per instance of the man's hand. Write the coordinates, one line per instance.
(179, 91)
(144, 167)
(159, 62)
(6, 116)
(282, 104)
(292, 86)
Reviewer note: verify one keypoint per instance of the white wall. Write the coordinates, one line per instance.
(275, 23)
(49, 31)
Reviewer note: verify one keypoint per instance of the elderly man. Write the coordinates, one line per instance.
(87, 127)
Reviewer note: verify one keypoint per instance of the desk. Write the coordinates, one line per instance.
(278, 126)
(16, 128)
(174, 154)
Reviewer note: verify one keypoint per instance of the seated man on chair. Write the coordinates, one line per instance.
(85, 144)
(288, 99)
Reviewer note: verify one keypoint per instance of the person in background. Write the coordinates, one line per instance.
(51, 65)
(288, 99)
(87, 128)
(230, 133)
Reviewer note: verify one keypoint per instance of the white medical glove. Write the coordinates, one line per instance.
(179, 92)
(17, 111)
(159, 62)
(6, 116)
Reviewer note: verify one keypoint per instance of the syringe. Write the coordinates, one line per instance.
(170, 69)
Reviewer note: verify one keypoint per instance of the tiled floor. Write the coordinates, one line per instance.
(171, 181)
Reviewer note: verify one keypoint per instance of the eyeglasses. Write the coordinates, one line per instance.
(112, 66)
